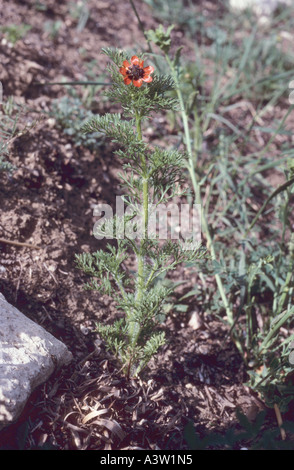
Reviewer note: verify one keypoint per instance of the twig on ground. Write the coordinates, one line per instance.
(21, 244)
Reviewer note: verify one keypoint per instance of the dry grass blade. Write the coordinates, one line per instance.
(112, 426)
(20, 244)
(157, 395)
(77, 429)
(94, 414)
(76, 439)
(70, 413)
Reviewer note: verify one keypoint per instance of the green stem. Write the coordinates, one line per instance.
(184, 117)
(282, 319)
(196, 188)
(286, 288)
(121, 288)
(288, 285)
(261, 210)
(280, 301)
(141, 26)
(134, 327)
(151, 276)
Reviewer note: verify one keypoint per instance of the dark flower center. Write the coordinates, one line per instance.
(135, 72)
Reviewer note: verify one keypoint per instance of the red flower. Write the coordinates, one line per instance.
(135, 72)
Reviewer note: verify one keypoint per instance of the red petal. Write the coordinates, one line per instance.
(138, 83)
(127, 80)
(148, 69)
(126, 63)
(123, 70)
(147, 79)
(136, 61)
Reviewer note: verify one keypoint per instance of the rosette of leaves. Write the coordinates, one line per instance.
(150, 176)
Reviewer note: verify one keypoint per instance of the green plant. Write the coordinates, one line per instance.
(179, 12)
(9, 115)
(162, 39)
(152, 177)
(15, 32)
(90, 97)
(40, 6)
(53, 28)
(266, 348)
(80, 12)
(70, 113)
(244, 269)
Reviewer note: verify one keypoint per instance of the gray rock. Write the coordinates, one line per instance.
(28, 356)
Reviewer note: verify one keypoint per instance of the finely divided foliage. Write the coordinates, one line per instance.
(151, 176)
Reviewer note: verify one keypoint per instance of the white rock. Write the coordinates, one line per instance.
(28, 356)
(195, 321)
(260, 7)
